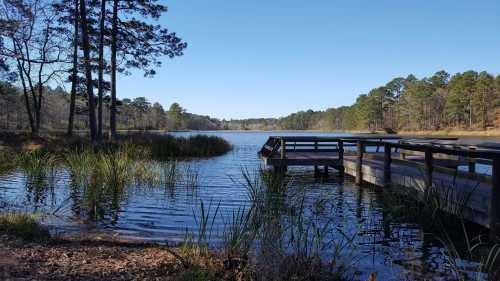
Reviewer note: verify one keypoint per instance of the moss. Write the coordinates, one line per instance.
(24, 226)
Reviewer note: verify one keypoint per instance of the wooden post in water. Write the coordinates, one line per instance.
(283, 155)
(316, 168)
(341, 157)
(428, 168)
(387, 164)
(472, 163)
(495, 201)
(359, 162)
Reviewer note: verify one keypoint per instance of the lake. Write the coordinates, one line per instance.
(397, 251)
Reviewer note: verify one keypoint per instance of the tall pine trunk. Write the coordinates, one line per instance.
(88, 71)
(114, 31)
(101, 69)
(74, 74)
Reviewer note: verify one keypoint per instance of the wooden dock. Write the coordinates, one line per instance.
(418, 164)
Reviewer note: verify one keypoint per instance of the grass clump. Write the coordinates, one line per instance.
(165, 147)
(36, 162)
(7, 159)
(24, 226)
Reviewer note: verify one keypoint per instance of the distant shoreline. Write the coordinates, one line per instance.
(457, 133)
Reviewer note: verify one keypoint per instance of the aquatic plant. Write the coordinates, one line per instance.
(165, 147)
(239, 233)
(191, 175)
(7, 159)
(205, 224)
(36, 162)
(146, 173)
(80, 162)
(483, 254)
(23, 225)
(170, 174)
(114, 167)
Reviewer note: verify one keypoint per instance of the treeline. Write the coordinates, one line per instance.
(468, 100)
(132, 114)
(84, 44)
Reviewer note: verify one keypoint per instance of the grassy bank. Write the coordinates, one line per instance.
(161, 146)
(458, 133)
(24, 226)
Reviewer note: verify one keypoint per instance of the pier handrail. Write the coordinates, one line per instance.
(432, 153)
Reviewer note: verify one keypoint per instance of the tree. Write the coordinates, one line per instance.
(483, 97)
(36, 46)
(176, 115)
(138, 42)
(74, 71)
(88, 70)
(100, 91)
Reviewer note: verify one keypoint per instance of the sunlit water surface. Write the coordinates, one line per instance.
(396, 251)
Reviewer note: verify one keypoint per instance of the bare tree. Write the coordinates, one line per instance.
(37, 49)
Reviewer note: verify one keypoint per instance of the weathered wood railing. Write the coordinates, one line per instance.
(429, 157)
(431, 164)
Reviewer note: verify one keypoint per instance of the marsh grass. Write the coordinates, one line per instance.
(165, 147)
(36, 162)
(483, 254)
(239, 233)
(191, 176)
(23, 226)
(170, 174)
(263, 242)
(7, 159)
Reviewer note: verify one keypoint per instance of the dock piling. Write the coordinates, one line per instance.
(428, 168)
(495, 201)
(341, 168)
(387, 164)
(359, 162)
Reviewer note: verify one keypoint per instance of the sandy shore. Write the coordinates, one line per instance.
(90, 258)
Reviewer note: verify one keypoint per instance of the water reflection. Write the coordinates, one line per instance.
(159, 200)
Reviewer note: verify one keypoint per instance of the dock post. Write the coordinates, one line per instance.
(316, 168)
(472, 163)
(359, 163)
(341, 158)
(428, 168)
(387, 164)
(495, 201)
(326, 171)
(283, 167)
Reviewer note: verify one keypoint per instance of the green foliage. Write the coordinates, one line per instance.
(164, 147)
(23, 225)
(36, 162)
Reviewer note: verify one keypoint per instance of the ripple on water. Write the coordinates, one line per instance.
(162, 214)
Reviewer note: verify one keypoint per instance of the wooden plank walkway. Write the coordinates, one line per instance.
(419, 165)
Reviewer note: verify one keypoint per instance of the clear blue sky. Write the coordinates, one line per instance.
(269, 58)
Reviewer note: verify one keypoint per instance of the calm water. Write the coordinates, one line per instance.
(396, 251)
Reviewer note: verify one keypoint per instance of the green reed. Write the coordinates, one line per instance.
(36, 162)
(23, 225)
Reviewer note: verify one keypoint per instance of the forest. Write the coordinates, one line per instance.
(464, 101)
(48, 46)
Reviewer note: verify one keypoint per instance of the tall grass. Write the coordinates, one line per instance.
(165, 147)
(23, 225)
(482, 254)
(36, 162)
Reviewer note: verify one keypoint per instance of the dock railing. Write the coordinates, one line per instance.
(429, 156)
